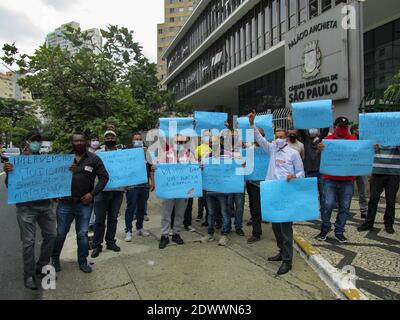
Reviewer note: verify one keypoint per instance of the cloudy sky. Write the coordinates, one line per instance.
(26, 22)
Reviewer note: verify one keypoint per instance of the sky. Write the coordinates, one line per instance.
(27, 22)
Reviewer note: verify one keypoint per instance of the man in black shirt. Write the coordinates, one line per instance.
(87, 166)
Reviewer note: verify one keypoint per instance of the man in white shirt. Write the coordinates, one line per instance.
(285, 164)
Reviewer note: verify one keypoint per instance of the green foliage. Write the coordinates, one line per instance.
(394, 88)
(98, 86)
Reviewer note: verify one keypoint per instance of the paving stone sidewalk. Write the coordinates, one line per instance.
(375, 255)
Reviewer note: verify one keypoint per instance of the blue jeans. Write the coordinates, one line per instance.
(218, 202)
(340, 192)
(66, 213)
(136, 199)
(106, 206)
(236, 203)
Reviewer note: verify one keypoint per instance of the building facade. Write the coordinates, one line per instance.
(240, 55)
(176, 13)
(9, 88)
(56, 38)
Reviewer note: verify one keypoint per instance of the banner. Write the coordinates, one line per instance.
(347, 158)
(312, 114)
(257, 162)
(262, 121)
(39, 177)
(223, 177)
(210, 120)
(383, 128)
(290, 201)
(125, 167)
(170, 127)
(178, 181)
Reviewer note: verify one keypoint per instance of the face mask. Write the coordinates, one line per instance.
(79, 148)
(206, 140)
(342, 132)
(137, 144)
(313, 133)
(95, 144)
(110, 144)
(179, 147)
(280, 142)
(35, 146)
(292, 138)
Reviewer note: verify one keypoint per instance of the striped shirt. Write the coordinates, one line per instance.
(387, 161)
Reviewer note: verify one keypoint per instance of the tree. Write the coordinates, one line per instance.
(98, 86)
(394, 88)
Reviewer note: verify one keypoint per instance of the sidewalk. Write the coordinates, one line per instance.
(193, 271)
(374, 255)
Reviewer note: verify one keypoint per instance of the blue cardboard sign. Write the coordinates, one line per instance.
(312, 114)
(262, 121)
(382, 127)
(290, 201)
(210, 121)
(125, 167)
(347, 157)
(178, 181)
(170, 127)
(257, 163)
(39, 177)
(224, 177)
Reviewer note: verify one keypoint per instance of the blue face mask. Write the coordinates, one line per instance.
(35, 146)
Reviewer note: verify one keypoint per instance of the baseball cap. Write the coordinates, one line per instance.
(342, 121)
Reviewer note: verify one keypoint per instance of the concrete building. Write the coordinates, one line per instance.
(176, 13)
(239, 55)
(9, 88)
(56, 38)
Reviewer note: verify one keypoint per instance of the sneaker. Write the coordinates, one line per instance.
(364, 227)
(56, 264)
(177, 239)
(128, 236)
(113, 247)
(322, 236)
(146, 218)
(85, 268)
(223, 241)
(389, 229)
(30, 283)
(253, 239)
(96, 252)
(240, 232)
(190, 229)
(207, 238)
(341, 238)
(164, 241)
(142, 233)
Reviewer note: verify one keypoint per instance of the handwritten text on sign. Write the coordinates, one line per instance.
(39, 177)
(178, 181)
(223, 178)
(383, 128)
(125, 167)
(347, 157)
(303, 204)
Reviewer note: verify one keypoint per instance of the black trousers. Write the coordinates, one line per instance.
(390, 184)
(202, 204)
(187, 220)
(255, 208)
(284, 239)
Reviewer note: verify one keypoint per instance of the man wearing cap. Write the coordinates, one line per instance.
(30, 213)
(106, 207)
(337, 189)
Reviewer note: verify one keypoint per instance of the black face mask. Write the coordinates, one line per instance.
(292, 138)
(110, 144)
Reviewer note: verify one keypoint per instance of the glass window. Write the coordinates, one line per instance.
(274, 13)
(313, 8)
(267, 25)
(326, 5)
(260, 31)
(292, 13)
(282, 17)
(302, 11)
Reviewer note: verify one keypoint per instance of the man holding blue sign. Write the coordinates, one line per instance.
(285, 164)
(30, 213)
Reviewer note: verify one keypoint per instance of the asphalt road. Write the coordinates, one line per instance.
(11, 269)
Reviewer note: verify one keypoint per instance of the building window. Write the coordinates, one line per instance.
(302, 5)
(275, 27)
(292, 13)
(282, 17)
(313, 8)
(326, 5)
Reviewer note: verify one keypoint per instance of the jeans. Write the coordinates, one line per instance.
(106, 206)
(136, 200)
(66, 213)
(187, 221)
(342, 192)
(27, 217)
(236, 201)
(255, 208)
(202, 204)
(362, 183)
(218, 202)
(379, 183)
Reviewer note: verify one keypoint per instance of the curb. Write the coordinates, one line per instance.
(341, 282)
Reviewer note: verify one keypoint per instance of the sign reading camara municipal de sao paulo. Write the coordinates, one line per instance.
(316, 59)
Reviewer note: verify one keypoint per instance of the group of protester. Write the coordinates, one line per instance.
(293, 154)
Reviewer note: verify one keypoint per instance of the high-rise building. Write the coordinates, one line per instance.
(56, 38)
(176, 12)
(9, 88)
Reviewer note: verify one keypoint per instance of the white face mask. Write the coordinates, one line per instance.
(138, 144)
(95, 144)
(281, 142)
(206, 140)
